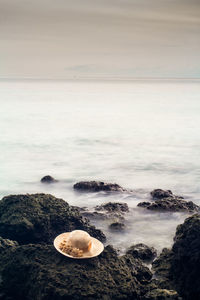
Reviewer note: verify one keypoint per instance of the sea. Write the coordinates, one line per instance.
(141, 134)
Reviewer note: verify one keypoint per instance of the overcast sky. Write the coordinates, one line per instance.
(99, 38)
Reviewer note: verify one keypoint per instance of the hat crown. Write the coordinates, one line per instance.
(79, 239)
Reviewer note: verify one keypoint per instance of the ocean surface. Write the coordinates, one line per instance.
(140, 134)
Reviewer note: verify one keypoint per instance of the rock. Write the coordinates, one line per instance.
(162, 294)
(170, 204)
(113, 211)
(161, 266)
(39, 218)
(143, 252)
(144, 204)
(97, 186)
(180, 266)
(5, 243)
(160, 194)
(48, 179)
(40, 272)
(185, 264)
(117, 226)
(94, 215)
(113, 207)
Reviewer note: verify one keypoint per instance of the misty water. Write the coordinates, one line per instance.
(142, 135)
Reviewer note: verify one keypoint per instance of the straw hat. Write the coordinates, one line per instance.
(78, 244)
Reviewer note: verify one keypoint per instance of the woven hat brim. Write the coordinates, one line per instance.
(96, 249)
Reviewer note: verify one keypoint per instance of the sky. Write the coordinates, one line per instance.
(48, 39)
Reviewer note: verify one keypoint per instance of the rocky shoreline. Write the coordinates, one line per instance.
(31, 268)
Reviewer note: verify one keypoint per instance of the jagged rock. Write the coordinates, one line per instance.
(143, 252)
(40, 272)
(5, 243)
(170, 204)
(162, 294)
(160, 194)
(97, 186)
(144, 204)
(94, 215)
(117, 226)
(161, 266)
(180, 266)
(113, 207)
(48, 179)
(39, 218)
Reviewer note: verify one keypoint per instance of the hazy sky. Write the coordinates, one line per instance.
(99, 38)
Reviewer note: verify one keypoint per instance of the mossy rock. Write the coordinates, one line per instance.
(39, 218)
(40, 272)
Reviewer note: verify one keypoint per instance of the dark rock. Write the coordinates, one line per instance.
(161, 294)
(5, 243)
(161, 266)
(170, 204)
(160, 194)
(185, 264)
(113, 207)
(39, 218)
(181, 266)
(48, 179)
(144, 204)
(117, 226)
(97, 186)
(40, 272)
(94, 215)
(143, 252)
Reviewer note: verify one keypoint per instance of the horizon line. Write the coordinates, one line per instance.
(77, 78)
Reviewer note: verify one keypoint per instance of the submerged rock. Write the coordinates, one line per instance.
(117, 226)
(94, 215)
(180, 266)
(97, 186)
(113, 207)
(170, 204)
(48, 179)
(40, 272)
(143, 252)
(39, 218)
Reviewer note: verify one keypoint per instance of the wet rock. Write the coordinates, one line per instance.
(40, 272)
(170, 204)
(39, 218)
(162, 294)
(161, 266)
(117, 226)
(5, 243)
(160, 194)
(144, 204)
(95, 215)
(180, 266)
(48, 179)
(97, 186)
(143, 252)
(113, 207)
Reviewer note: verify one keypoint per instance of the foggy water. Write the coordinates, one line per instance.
(141, 135)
